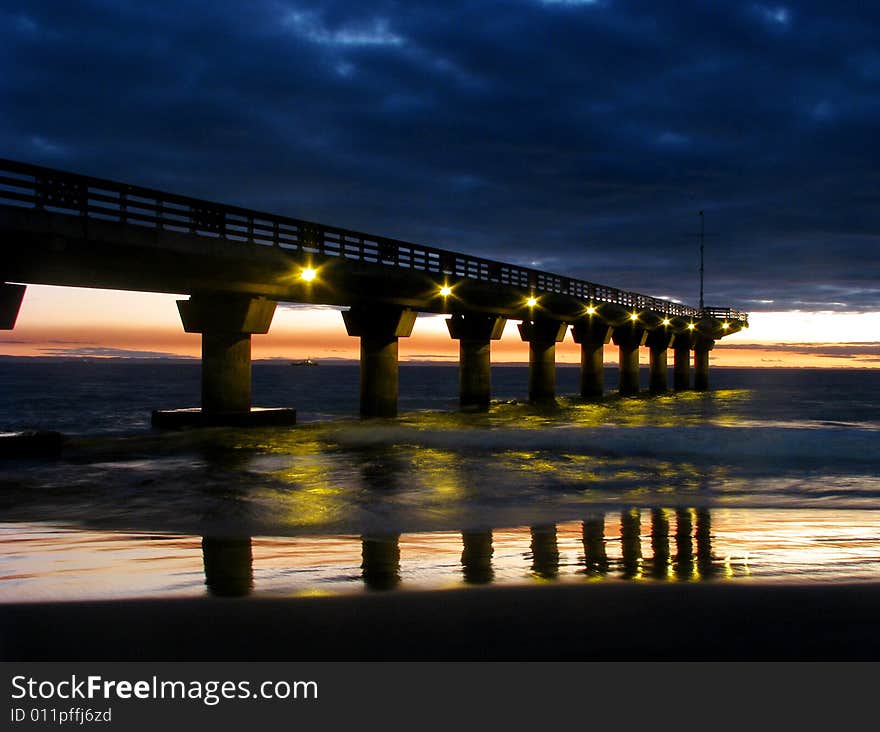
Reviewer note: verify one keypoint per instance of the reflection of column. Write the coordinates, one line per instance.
(684, 550)
(545, 553)
(228, 565)
(660, 543)
(476, 557)
(380, 469)
(380, 565)
(705, 565)
(631, 543)
(595, 556)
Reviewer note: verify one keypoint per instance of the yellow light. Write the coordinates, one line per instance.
(634, 316)
(308, 274)
(531, 302)
(591, 310)
(445, 291)
(665, 321)
(691, 326)
(725, 325)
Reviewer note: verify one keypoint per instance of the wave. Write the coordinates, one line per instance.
(781, 446)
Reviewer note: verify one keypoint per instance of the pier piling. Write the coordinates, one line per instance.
(226, 322)
(379, 328)
(592, 334)
(475, 332)
(542, 335)
(628, 339)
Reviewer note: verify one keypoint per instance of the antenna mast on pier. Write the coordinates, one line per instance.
(702, 247)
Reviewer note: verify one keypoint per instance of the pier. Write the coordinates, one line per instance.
(235, 264)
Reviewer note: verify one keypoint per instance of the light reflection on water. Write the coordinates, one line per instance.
(41, 562)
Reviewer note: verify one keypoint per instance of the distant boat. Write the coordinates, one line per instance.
(304, 362)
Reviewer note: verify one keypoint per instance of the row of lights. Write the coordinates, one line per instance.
(308, 274)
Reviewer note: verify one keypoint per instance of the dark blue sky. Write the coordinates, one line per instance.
(582, 137)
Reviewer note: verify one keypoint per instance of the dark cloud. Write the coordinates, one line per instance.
(582, 136)
(105, 352)
(862, 352)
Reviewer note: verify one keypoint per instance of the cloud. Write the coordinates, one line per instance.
(586, 138)
(105, 352)
(866, 352)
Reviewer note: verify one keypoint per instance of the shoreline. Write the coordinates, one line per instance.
(602, 622)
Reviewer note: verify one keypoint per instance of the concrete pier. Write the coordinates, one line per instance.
(10, 303)
(681, 349)
(475, 332)
(542, 335)
(701, 362)
(628, 339)
(226, 322)
(592, 334)
(658, 341)
(379, 327)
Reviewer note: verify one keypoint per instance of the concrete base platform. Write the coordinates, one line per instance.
(172, 419)
(30, 443)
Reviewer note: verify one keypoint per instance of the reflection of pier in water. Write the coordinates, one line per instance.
(611, 546)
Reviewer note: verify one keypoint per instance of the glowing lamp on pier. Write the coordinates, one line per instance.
(633, 317)
(666, 321)
(725, 325)
(591, 310)
(532, 301)
(445, 291)
(308, 274)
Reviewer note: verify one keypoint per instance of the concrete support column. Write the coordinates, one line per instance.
(226, 322)
(628, 339)
(701, 362)
(10, 303)
(592, 334)
(681, 349)
(379, 327)
(658, 341)
(474, 332)
(542, 335)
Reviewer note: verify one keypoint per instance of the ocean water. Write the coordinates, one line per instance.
(773, 476)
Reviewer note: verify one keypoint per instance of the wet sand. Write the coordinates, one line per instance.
(606, 621)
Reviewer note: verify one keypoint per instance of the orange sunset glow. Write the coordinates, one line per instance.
(57, 321)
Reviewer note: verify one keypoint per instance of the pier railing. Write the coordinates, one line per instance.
(33, 186)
